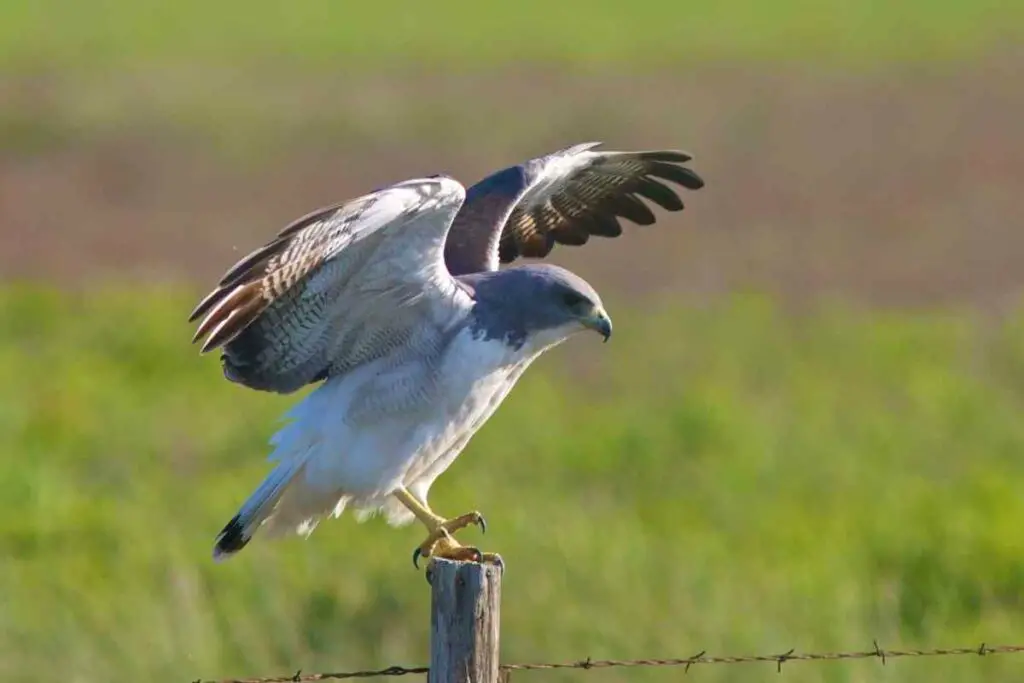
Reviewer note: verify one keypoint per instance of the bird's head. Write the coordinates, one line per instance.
(547, 303)
(566, 300)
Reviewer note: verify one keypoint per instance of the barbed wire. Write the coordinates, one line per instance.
(700, 658)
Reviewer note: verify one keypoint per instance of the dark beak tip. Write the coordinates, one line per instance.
(601, 324)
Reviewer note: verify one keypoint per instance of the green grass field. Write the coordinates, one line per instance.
(750, 482)
(466, 35)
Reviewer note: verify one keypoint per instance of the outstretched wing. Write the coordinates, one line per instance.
(338, 288)
(562, 198)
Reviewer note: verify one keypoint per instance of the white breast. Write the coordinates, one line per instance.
(477, 376)
(367, 460)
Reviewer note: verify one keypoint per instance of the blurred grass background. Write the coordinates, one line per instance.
(466, 34)
(806, 434)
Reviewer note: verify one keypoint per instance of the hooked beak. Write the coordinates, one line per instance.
(599, 322)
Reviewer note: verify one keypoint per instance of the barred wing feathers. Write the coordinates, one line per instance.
(563, 198)
(337, 288)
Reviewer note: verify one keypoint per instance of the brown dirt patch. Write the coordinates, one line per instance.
(902, 188)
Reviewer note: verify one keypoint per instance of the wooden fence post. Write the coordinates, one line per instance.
(465, 616)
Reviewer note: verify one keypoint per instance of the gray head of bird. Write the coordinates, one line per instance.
(543, 302)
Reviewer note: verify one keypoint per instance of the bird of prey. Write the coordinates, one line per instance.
(397, 305)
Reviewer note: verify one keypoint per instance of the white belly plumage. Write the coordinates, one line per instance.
(326, 462)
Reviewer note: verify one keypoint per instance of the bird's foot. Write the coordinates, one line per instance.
(441, 543)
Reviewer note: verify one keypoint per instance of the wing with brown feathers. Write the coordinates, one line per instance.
(583, 194)
(336, 288)
(563, 198)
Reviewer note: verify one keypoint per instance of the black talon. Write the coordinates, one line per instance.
(482, 523)
(416, 554)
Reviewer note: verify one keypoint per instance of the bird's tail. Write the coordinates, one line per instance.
(256, 509)
(301, 489)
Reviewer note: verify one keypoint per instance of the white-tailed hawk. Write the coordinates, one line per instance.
(395, 303)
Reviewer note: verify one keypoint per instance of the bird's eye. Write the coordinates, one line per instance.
(572, 299)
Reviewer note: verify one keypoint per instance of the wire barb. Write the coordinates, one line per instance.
(782, 658)
(589, 664)
(879, 652)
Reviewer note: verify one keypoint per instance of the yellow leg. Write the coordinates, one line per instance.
(440, 542)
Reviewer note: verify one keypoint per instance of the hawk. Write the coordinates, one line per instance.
(395, 303)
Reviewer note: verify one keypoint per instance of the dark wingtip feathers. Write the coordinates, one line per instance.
(230, 540)
(235, 309)
(680, 175)
(204, 305)
(676, 156)
(611, 187)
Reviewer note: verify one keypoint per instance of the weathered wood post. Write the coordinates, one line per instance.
(465, 615)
